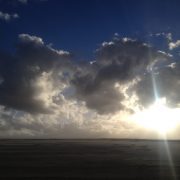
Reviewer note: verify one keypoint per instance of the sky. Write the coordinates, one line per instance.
(89, 69)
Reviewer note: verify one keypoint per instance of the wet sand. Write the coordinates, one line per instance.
(89, 159)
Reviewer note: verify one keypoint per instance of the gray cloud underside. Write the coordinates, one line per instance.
(45, 93)
(117, 62)
(19, 73)
(120, 61)
(164, 83)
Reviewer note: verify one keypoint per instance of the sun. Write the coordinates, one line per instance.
(158, 117)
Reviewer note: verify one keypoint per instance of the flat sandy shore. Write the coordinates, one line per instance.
(89, 159)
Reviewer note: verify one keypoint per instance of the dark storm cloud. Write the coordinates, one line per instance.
(19, 72)
(119, 61)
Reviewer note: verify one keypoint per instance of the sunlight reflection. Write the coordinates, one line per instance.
(171, 163)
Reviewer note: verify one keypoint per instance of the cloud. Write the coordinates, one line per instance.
(25, 75)
(33, 79)
(118, 63)
(168, 36)
(173, 45)
(45, 93)
(163, 83)
(7, 16)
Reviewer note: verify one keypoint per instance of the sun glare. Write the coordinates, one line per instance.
(158, 117)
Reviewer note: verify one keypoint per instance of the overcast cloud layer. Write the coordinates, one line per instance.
(44, 92)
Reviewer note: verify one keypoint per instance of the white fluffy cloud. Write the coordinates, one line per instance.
(26, 38)
(173, 45)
